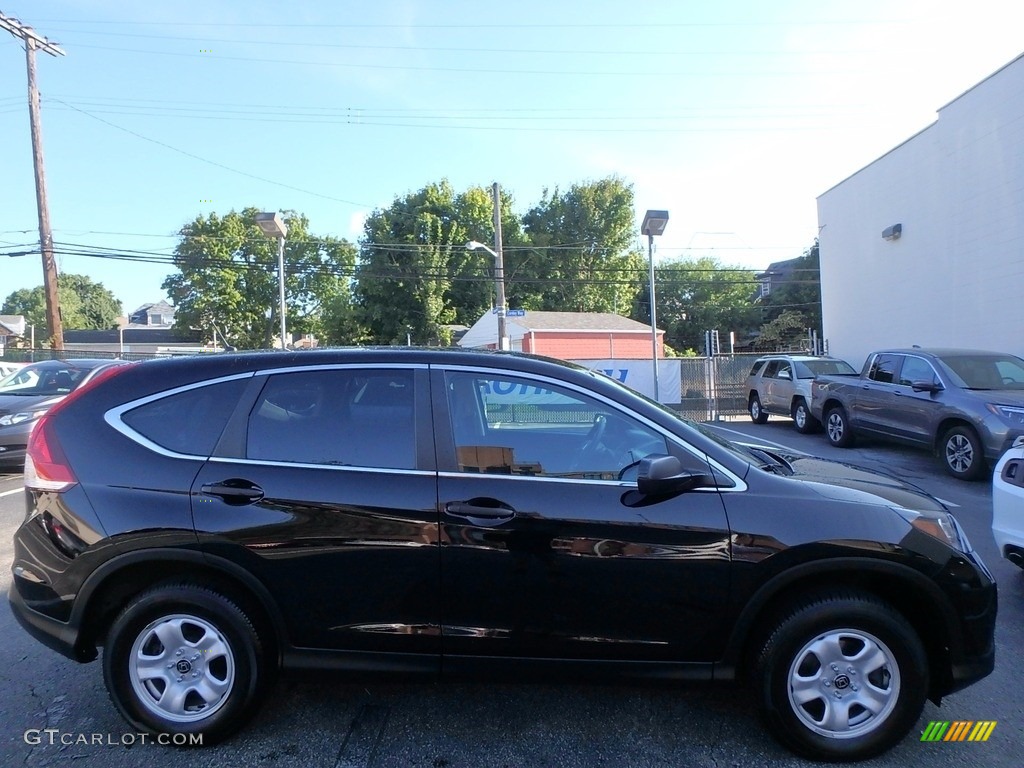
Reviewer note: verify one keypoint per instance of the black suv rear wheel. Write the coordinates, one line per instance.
(843, 676)
(184, 659)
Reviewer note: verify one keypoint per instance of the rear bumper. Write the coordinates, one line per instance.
(60, 636)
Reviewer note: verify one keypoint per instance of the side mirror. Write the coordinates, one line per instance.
(661, 475)
(785, 375)
(926, 386)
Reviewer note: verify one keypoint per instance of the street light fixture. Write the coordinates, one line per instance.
(654, 224)
(273, 226)
(499, 281)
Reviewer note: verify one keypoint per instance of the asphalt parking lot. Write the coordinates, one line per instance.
(53, 710)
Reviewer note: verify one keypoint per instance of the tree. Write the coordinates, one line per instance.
(84, 305)
(786, 331)
(583, 254)
(415, 274)
(800, 293)
(228, 277)
(697, 295)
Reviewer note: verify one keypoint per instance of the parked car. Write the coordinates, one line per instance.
(781, 385)
(966, 405)
(7, 368)
(209, 521)
(1008, 503)
(28, 393)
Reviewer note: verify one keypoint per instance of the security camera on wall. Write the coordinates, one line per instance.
(893, 232)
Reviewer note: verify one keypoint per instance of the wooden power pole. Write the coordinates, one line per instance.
(32, 42)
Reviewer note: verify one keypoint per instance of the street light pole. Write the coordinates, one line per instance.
(280, 287)
(499, 266)
(273, 226)
(654, 224)
(499, 279)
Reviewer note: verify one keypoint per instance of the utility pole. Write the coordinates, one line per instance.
(32, 41)
(499, 266)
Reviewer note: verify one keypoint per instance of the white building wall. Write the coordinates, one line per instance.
(955, 278)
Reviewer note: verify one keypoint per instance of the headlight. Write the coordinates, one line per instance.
(17, 418)
(938, 525)
(1012, 413)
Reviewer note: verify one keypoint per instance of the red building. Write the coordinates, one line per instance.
(568, 335)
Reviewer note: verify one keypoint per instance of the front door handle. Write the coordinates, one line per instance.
(480, 511)
(234, 491)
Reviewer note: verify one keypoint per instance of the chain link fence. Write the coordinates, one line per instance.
(712, 388)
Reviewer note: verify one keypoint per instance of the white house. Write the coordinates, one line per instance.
(926, 244)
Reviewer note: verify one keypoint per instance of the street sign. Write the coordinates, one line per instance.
(510, 312)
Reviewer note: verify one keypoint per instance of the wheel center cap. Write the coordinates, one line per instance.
(184, 666)
(841, 682)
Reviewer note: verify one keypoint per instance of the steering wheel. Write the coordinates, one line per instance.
(592, 442)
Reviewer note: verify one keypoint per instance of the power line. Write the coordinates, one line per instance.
(212, 162)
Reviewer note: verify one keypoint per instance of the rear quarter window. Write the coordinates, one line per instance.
(189, 422)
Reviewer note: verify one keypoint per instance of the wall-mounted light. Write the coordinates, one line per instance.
(893, 232)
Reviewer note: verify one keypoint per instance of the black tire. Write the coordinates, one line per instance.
(210, 646)
(804, 422)
(961, 453)
(837, 428)
(757, 413)
(817, 687)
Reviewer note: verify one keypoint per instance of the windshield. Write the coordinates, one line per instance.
(985, 371)
(808, 369)
(42, 379)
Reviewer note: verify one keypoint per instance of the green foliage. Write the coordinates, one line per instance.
(415, 274)
(696, 295)
(228, 277)
(801, 293)
(787, 331)
(583, 255)
(84, 304)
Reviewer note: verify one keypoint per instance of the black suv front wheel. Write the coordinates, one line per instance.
(181, 658)
(843, 676)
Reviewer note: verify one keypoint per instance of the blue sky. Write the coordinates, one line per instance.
(734, 116)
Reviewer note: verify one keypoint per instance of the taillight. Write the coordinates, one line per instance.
(46, 466)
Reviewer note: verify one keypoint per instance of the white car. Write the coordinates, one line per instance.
(7, 367)
(1008, 503)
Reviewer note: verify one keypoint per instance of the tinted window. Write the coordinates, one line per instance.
(808, 369)
(917, 369)
(883, 368)
(754, 369)
(771, 369)
(342, 417)
(189, 422)
(509, 425)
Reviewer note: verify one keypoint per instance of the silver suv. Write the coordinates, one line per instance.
(781, 385)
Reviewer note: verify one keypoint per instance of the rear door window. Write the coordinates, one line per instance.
(343, 417)
(771, 370)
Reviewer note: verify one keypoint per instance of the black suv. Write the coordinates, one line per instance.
(213, 520)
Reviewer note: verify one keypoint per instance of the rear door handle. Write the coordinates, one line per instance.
(483, 512)
(234, 491)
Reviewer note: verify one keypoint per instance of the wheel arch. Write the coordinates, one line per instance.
(947, 424)
(118, 580)
(914, 595)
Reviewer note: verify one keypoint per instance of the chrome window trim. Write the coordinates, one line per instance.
(739, 484)
(624, 484)
(305, 465)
